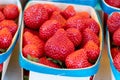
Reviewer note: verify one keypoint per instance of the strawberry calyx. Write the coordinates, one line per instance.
(32, 58)
(2, 50)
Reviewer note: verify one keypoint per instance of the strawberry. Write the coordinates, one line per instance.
(48, 62)
(48, 29)
(92, 51)
(31, 50)
(76, 22)
(83, 14)
(116, 37)
(92, 24)
(57, 16)
(51, 8)
(5, 38)
(35, 15)
(1, 8)
(74, 35)
(1, 67)
(116, 61)
(59, 46)
(68, 12)
(29, 38)
(114, 52)
(88, 34)
(77, 59)
(10, 24)
(2, 17)
(113, 22)
(11, 11)
(91, 78)
(115, 3)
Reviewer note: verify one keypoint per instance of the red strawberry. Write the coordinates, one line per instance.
(114, 52)
(5, 38)
(77, 59)
(48, 62)
(59, 46)
(89, 35)
(113, 22)
(2, 17)
(48, 29)
(91, 78)
(115, 3)
(92, 50)
(76, 22)
(11, 11)
(116, 61)
(50, 8)
(32, 51)
(1, 8)
(116, 37)
(1, 67)
(74, 35)
(57, 16)
(10, 24)
(68, 12)
(35, 16)
(83, 14)
(93, 25)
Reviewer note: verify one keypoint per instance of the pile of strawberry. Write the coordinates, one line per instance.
(8, 25)
(113, 24)
(114, 3)
(60, 38)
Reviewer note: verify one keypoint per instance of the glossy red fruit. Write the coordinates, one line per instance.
(74, 35)
(116, 37)
(77, 59)
(88, 34)
(48, 29)
(68, 12)
(116, 62)
(1, 67)
(2, 7)
(11, 11)
(57, 16)
(32, 51)
(10, 24)
(92, 50)
(113, 22)
(51, 8)
(5, 38)
(2, 17)
(59, 46)
(115, 3)
(76, 22)
(35, 15)
(48, 62)
(114, 52)
(83, 14)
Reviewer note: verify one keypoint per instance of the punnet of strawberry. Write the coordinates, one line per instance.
(113, 36)
(59, 38)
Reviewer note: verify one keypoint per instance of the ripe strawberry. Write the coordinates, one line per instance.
(1, 8)
(114, 52)
(115, 3)
(48, 62)
(51, 8)
(116, 37)
(5, 38)
(1, 67)
(68, 12)
(59, 46)
(57, 16)
(92, 51)
(35, 16)
(77, 59)
(113, 22)
(48, 29)
(2, 17)
(83, 14)
(11, 11)
(10, 24)
(76, 22)
(89, 35)
(116, 61)
(92, 24)
(74, 35)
